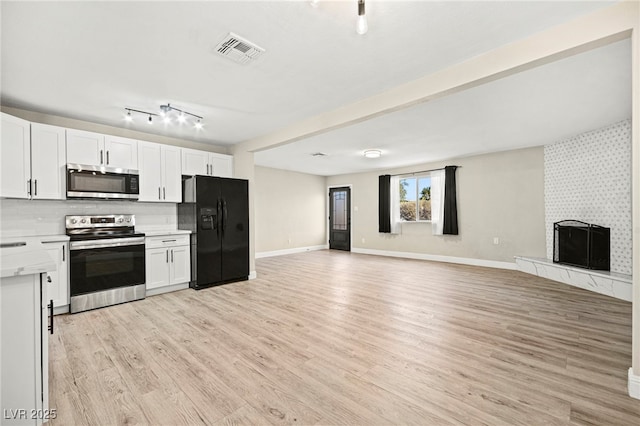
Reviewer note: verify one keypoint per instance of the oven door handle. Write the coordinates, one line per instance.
(106, 243)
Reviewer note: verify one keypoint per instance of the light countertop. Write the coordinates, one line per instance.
(155, 232)
(24, 256)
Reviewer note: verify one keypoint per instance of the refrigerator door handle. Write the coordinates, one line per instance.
(224, 216)
(218, 225)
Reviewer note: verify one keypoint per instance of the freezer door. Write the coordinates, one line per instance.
(208, 245)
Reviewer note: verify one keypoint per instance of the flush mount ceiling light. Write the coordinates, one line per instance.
(372, 153)
(168, 113)
(361, 26)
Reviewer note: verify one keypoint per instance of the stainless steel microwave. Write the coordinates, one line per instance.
(102, 182)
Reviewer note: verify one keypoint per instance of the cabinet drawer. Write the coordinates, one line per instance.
(166, 241)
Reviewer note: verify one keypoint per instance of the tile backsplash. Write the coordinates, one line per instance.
(43, 217)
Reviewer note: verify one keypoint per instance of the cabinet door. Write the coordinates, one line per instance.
(222, 165)
(23, 346)
(15, 157)
(48, 162)
(58, 288)
(85, 148)
(157, 264)
(121, 152)
(171, 174)
(180, 264)
(149, 163)
(195, 162)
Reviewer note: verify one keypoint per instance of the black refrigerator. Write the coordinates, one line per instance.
(216, 211)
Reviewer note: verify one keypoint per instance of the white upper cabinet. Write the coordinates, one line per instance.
(48, 163)
(221, 165)
(160, 172)
(15, 158)
(171, 174)
(85, 147)
(121, 152)
(196, 162)
(96, 149)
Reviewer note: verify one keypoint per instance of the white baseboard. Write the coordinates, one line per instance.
(438, 258)
(634, 385)
(253, 275)
(290, 251)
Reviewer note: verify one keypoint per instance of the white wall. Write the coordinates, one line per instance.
(290, 210)
(499, 195)
(588, 178)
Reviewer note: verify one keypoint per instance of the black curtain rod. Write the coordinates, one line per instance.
(424, 171)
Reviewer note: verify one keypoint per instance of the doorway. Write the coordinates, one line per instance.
(340, 218)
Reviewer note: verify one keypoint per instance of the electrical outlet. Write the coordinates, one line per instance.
(496, 240)
(363, 241)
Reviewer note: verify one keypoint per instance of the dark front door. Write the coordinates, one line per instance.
(340, 218)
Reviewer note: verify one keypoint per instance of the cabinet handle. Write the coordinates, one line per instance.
(48, 278)
(63, 250)
(35, 185)
(107, 158)
(164, 193)
(168, 241)
(29, 186)
(171, 255)
(159, 198)
(167, 256)
(101, 157)
(50, 317)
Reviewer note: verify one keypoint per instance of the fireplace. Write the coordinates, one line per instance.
(581, 244)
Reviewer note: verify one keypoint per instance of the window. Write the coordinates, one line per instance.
(415, 199)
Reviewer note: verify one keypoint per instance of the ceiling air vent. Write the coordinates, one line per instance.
(238, 49)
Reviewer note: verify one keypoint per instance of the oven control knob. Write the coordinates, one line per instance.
(74, 221)
(119, 220)
(128, 219)
(83, 221)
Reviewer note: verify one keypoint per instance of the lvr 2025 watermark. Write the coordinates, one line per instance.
(31, 414)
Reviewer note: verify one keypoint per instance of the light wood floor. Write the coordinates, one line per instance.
(331, 337)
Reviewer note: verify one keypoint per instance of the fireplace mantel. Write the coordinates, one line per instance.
(603, 282)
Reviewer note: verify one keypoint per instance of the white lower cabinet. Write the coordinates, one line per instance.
(168, 263)
(24, 388)
(59, 284)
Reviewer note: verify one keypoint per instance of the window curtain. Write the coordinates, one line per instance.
(384, 203)
(437, 201)
(450, 226)
(394, 207)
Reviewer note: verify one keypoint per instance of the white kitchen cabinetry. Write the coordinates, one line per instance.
(195, 162)
(32, 160)
(160, 172)
(15, 157)
(95, 149)
(24, 388)
(48, 162)
(168, 263)
(59, 285)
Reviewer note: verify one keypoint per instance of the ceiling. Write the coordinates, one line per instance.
(90, 60)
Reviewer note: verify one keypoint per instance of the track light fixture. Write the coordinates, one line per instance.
(166, 112)
(361, 26)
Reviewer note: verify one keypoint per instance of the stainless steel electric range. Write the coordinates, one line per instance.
(107, 263)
